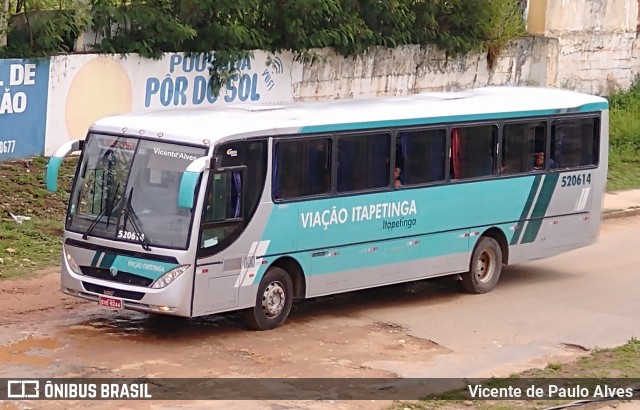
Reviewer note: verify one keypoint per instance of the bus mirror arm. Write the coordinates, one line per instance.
(53, 166)
(189, 181)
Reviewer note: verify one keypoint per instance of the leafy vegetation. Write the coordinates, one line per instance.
(234, 27)
(624, 144)
(34, 243)
(34, 28)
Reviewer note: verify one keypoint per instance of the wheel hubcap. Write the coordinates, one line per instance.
(273, 299)
(485, 266)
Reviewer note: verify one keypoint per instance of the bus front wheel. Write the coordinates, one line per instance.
(273, 301)
(485, 267)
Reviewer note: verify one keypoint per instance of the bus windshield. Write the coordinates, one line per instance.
(127, 190)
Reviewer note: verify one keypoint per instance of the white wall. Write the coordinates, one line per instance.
(86, 87)
(597, 43)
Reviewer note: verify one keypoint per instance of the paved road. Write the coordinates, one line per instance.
(540, 312)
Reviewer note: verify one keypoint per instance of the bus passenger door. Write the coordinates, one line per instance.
(216, 287)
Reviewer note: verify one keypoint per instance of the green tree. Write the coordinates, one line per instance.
(234, 27)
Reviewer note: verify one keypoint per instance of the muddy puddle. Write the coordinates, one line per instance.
(31, 351)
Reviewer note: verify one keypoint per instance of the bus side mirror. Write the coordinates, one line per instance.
(190, 180)
(53, 166)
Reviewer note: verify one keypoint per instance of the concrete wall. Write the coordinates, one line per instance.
(409, 70)
(597, 44)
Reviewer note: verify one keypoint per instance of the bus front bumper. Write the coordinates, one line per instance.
(175, 299)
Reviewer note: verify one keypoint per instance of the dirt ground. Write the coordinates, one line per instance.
(46, 334)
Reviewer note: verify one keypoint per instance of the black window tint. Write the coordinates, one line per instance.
(420, 156)
(574, 142)
(523, 147)
(363, 161)
(302, 168)
(473, 151)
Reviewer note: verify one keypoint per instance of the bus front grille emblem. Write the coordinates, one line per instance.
(113, 272)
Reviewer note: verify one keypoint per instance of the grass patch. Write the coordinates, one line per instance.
(624, 144)
(624, 173)
(35, 243)
(622, 362)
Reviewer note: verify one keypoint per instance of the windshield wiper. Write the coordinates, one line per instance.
(101, 214)
(130, 214)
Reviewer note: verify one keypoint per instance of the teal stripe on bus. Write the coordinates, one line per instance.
(527, 208)
(96, 258)
(540, 208)
(591, 107)
(441, 222)
(108, 259)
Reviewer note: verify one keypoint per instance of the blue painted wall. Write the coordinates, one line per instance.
(24, 87)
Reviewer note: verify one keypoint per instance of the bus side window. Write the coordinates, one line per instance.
(223, 207)
(574, 142)
(523, 147)
(302, 168)
(422, 154)
(473, 151)
(363, 161)
(224, 199)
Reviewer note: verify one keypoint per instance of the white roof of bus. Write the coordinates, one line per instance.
(217, 122)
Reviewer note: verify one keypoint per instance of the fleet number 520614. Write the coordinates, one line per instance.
(575, 180)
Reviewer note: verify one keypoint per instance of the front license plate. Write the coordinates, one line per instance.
(111, 303)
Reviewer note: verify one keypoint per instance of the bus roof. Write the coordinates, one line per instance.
(214, 123)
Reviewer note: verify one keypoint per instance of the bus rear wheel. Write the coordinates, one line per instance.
(273, 301)
(485, 267)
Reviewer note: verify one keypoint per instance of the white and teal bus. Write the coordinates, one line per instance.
(201, 211)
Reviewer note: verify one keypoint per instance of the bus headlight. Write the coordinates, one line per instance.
(169, 277)
(71, 262)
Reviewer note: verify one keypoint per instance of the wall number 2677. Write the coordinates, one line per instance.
(574, 180)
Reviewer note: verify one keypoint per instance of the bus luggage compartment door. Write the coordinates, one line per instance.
(215, 287)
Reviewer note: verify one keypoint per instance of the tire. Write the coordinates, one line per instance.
(485, 267)
(273, 301)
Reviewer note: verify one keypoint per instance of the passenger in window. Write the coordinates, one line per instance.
(538, 160)
(396, 175)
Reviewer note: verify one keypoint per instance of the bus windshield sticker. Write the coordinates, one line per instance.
(174, 154)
